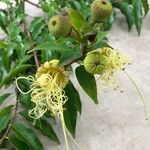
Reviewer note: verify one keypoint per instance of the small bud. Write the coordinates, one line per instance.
(95, 63)
(59, 26)
(101, 10)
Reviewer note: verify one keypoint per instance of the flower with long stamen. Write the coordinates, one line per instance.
(47, 92)
(47, 89)
(116, 61)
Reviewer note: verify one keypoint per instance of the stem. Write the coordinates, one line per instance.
(73, 139)
(84, 50)
(64, 130)
(139, 93)
(34, 53)
(12, 120)
(75, 60)
(32, 3)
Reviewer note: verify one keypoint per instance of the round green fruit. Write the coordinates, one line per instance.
(100, 10)
(59, 26)
(95, 63)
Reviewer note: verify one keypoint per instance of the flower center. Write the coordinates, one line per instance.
(54, 23)
(97, 62)
(103, 2)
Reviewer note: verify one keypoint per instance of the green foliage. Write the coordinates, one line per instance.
(71, 107)
(27, 136)
(4, 115)
(44, 126)
(133, 10)
(4, 97)
(89, 87)
(18, 144)
(25, 45)
(138, 14)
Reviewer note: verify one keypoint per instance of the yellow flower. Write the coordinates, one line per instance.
(47, 89)
(116, 61)
(52, 69)
(47, 92)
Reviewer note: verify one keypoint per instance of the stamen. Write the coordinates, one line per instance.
(139, 93)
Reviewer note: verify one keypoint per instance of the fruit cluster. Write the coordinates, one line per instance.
(60, 26)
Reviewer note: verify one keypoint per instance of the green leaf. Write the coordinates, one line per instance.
(87, 82)
(19, 145)
(127, 11)
(4, 117)
(71, 107)
(146, 6)
(6, 110)
(27, 135)
(43, 125)
(54, 45)
(109, 22)
(76, 19)
(2, 44)
(73, 96)
(14, 72)
(36, 26)
(4, 97)
(137, 13)
(70, 116)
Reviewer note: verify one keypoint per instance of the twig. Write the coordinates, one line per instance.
(12, 120)
(32, 3)
(75, 60)
(34, 53)
(84, 50)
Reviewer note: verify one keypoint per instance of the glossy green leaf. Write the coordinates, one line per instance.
(43, 125)
(36, 26)
(2, 44)
(71, 107)
(4, 117)
(73, 96)
(76, 19)
(19, 145)
(14, 72)
(4, 97)
(146, 6)
(87, 82)
(126, 9)
(138, 15)
(109, 22)
(27, 135)
(53, 46)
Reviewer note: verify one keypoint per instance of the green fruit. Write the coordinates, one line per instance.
(101, 10)
(59, 26)
(95, 63)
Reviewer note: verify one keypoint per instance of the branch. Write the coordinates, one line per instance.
(84, 50)
(73, 61)
(34, 53)
(32, 3)
(12, 120)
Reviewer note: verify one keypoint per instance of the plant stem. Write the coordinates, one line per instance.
(34, 53)
(12, 120)
(64, 131)
(139, 93)
(32, 3)
(75, 60)
(84, 50)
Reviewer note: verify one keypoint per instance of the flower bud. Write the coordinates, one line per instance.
(95, 63)
(59, 26)
(101, 10)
